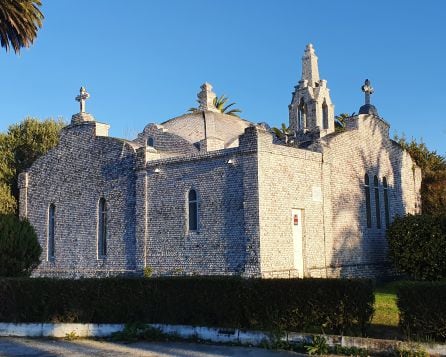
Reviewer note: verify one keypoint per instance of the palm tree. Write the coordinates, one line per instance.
(283, 134)
(340, 121)
(220, 104)
(19, 22)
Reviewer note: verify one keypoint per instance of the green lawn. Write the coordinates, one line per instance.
(385, 319)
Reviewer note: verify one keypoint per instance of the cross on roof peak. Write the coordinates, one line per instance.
(81, 98)
(368, 90)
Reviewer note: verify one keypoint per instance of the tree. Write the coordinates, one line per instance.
(283, 134)
(433, 169)
(19, 248)
(220, 104)
(19, 148)
(19, 22)
(8, 203)
(340, 121)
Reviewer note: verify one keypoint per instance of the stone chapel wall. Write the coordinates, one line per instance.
(365, 148)
(226, 240)
(290, 178)
(74, 176)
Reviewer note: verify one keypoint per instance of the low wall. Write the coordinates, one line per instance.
(212, 334)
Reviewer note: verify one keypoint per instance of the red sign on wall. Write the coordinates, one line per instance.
(296, 219)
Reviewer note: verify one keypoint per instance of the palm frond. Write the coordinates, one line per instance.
(19, 22)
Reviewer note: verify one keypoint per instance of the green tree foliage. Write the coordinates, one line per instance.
(220, 104)
(433, 168)
(19, 148)
(283, 133)
(340, 121)
(417, 246)
(19, 22)
(8, 203)
(19, 248)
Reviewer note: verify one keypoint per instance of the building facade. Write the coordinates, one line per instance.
(212, 194)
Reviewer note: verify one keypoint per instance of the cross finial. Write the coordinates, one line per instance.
(81, 98)
(368, 90)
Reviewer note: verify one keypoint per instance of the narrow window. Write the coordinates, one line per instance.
(386, 202)
(51, 230)
(102, 228)
(324, 115)
(367, 201)
(193, 210)
(302, 115)
(150, 142)
(377, 206)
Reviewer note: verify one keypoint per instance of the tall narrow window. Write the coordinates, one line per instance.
(302, 119)
(324, 115)
(377, 206)
(193, 210)
(102, 228)
(386, 202)
(51, 230)
(367, 201)
(150, 141)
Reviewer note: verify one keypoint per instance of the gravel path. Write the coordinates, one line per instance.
(15, 346)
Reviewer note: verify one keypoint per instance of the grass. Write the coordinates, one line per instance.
(386, 317)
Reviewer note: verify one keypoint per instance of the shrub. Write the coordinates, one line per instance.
(422, 308)
(19, 248)
(313, 305)
(417, 246)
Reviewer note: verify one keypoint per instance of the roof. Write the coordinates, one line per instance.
(198, 125)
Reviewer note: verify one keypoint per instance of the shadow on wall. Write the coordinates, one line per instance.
(113, 176)
(360, 248)
(233, 215)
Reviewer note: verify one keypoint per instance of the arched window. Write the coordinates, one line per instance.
(377, 207)
(150, 141)
(367, 201)
(386, 202)
(102, 228)
(51, 231)
(324, 115)
(193, 211)
(302, 114)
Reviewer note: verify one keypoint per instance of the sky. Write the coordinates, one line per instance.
(143, 61)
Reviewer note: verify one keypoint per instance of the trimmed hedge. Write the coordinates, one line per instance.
(422, 308)
(287, 304)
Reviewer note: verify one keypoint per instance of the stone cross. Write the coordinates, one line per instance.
(81, 98)
(368, 90)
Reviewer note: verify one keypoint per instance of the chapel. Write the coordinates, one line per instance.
(207, 193)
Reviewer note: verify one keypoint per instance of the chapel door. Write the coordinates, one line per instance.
(297, 227)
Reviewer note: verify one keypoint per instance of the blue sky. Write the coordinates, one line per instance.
(144, 60)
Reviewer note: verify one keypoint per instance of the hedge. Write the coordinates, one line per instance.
(422, 308)
(328, 305)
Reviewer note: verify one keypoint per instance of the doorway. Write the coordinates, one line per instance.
(297, 227)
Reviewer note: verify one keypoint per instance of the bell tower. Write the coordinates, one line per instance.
(311, 108)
